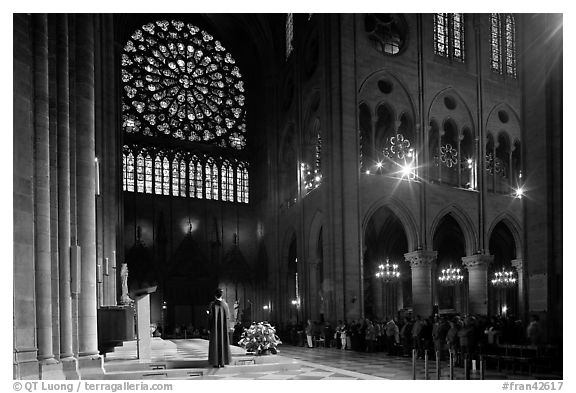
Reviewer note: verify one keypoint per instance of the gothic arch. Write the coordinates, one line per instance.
(466, 225)
(369, 92)
(289, 235)
(512, 224)
(401, 212)
(511, 123)
(460, 114)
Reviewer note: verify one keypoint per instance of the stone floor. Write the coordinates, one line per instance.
(187, 359)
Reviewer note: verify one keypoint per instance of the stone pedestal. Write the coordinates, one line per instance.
(91, 367)
(143, 328)
(477, 266)
(421, 265)
(70, 368)
(50, 369)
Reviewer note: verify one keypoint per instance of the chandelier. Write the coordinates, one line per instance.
(450, 276)
(388, 272)
(504, 279)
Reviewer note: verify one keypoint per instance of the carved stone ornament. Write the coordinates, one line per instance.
(477, 261)
(421, 258)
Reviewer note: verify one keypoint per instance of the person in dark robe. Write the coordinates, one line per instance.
(219, 326)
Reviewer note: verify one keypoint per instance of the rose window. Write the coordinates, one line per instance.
(398, 147)
(448, 155)
(181, 82)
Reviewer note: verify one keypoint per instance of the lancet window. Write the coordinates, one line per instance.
(449, 35)
(503, 44)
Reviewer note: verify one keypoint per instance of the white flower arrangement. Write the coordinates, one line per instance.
(259, 338)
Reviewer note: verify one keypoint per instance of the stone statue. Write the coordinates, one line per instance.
(125, 299)
(236, 310)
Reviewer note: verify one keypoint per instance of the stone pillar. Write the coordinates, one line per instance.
(64, 249)
(314, 290)
(144, 341)
(89, 360)
(399, 296)
(42, 239)
(421, 265)
(518, 264)
(477, 266)
(24, 335)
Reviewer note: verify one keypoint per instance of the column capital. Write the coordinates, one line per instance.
(518, 264)
(421, 258)
(477, 261)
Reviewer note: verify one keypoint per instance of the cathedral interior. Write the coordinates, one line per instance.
(314, 166)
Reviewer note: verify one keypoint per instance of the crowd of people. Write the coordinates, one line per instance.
(469, 334)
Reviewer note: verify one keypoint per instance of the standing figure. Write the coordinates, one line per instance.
(219, 326)
(236, 310)
(125, 299)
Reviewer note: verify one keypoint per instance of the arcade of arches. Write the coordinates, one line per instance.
(314, 166)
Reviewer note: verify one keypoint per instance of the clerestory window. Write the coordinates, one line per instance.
(503, 44)
(449, 36)
(180, 83)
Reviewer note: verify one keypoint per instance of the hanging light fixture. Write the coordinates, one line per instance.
(504, 278)
(450, 276)
(388, 272)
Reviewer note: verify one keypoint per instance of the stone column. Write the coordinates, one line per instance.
(421, 265)
(25, 362)
(63, 110)
(42, 257)
(518, 264)
(399, 296)
(477, 266)
(314, 289)
(90, 362)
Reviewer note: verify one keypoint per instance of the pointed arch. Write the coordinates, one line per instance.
(401, 212)
(441, 108)
(464, 221)
(513, 225)
(371, 91)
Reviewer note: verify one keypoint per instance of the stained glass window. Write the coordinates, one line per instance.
(158, 175)
(458, 33)
(140, 173)
(503, 44)
(441, 34)
(199, 180)
(227, 177)
(166, 176)
(510, 46)
(208, 182)
(130, 172)
(182, 178)
(242, 183)
(449, 35)
(289, 34)
(148, 174)
(191, 178)
(495, 43)
(215, 185)
(180, 81)
(175, 176)
(124, 172)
